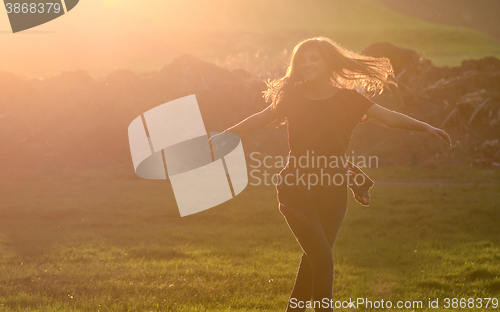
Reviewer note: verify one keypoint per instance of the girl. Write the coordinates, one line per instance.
(318, 99)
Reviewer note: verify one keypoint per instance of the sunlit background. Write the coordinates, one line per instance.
(80, 231)
(103, 35)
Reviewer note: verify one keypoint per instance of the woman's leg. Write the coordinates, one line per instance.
(315, 222)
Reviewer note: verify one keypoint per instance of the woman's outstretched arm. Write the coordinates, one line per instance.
(254, 122)
(401, 121)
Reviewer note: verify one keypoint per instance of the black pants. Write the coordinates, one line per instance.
(315, 221)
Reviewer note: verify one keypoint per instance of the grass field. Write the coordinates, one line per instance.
(110, 241)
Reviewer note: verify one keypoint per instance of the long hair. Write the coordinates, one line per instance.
(350, 70)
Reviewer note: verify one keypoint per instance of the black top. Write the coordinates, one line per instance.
(320, 128)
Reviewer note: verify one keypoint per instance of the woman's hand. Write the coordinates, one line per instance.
(439, 134)
(210, 147)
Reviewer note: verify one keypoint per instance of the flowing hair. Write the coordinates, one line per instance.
(350, 70)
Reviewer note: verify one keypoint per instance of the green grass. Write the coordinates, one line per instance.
(441, 174)
(109, 241)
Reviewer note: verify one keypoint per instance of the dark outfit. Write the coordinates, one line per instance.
(315, 213)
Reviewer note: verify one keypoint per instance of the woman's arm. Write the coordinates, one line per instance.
(253, 123)
(397, 120)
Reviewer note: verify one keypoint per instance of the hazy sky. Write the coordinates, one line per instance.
(109, 31)
(103, 35)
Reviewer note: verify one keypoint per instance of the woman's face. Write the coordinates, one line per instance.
(312, 65)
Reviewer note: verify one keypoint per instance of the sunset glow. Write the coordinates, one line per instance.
(101, 36)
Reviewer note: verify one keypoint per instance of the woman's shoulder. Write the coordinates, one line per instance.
(293, 92)
(351, 92)
(290, 96)
(353, 95)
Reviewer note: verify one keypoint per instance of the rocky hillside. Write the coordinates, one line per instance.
(75, 120)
